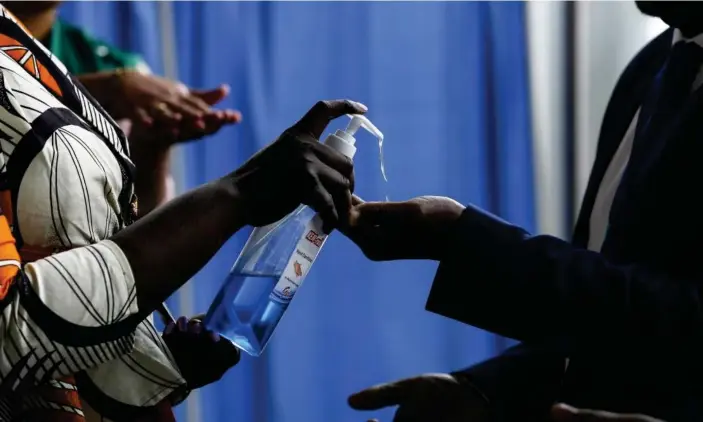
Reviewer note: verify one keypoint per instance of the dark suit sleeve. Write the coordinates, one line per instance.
(524, 380)
(542, 290)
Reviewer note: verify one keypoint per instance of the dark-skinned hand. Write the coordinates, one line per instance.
(413, 229)
(159, 113)
(147, 98)
(202, 356)
(296, 169)
(425, 398)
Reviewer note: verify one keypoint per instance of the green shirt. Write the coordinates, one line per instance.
(83, 53)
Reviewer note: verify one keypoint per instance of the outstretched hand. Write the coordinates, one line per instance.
(413, 229)
(148, 98)
(425, 398)
(164, 112)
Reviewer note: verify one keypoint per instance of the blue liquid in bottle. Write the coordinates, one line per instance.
(264, 280)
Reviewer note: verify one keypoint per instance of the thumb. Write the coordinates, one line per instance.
(211, 96)
(316, 119)
(382, 395)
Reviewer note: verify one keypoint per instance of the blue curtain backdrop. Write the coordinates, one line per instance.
(448, 85)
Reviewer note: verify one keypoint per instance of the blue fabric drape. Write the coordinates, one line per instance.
(447, 84)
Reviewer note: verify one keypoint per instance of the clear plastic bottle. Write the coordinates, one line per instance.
(272, 266)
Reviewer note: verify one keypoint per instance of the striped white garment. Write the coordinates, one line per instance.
(73, 312)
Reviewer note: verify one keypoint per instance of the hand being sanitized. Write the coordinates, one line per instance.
(273, 265)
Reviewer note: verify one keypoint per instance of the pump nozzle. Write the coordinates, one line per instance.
(343, 140)
(357, 121)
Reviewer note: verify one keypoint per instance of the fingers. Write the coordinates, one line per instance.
(383, 395)
(180, 105)
(182, 323)
(339, 189)
(384, 230)
(143, 116)
(329, 192)
(371, 214)
(565, 413)
(334, 159)
(196, 103)
(162, 110)
(211, 96)
(321, 201)
(231, 116)
(327, 178)
(319, 116)
(231, 353)
(195, 326)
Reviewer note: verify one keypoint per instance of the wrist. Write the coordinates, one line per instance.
(232, 196)
(447, 230)
(149, 159)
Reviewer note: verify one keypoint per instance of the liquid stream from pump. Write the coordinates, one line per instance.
(383, 168)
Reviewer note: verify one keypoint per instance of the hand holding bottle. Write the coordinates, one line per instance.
(296, 169)
(202, 356)
(414, 229)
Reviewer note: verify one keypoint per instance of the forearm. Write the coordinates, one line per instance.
(542, 289)
(168, 246)
(151, 184)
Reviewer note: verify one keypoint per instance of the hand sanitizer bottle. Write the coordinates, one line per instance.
(273, 264)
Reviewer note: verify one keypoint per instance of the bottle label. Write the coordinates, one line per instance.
(300, 262)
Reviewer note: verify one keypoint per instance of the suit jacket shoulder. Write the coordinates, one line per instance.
(627, 96)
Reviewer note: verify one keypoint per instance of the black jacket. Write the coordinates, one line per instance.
(629, 318)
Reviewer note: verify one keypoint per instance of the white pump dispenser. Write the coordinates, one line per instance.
(343, 140)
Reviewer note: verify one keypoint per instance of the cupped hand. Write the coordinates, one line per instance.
(414, 229)
(565, 413)
(297, 168)
(164, 109)
(202, 356)
(429, 397)
(137, 95)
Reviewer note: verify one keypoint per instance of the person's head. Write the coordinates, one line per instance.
(687, 16)
(29, 8)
